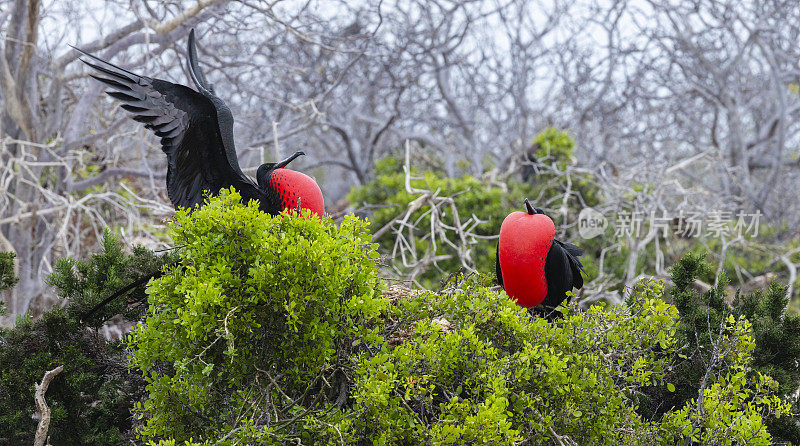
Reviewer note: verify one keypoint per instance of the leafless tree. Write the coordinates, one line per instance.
(59, 144)
(707, 88)
(678, 79)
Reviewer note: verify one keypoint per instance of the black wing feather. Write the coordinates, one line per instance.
(572, 249)
(573, 252)
(562, 270)
(497, 267)
(188, 125)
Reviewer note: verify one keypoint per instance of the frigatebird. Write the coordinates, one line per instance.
(532, 266)
(196, 131)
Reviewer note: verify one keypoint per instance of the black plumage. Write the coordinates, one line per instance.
(196, 131)
(562, 269)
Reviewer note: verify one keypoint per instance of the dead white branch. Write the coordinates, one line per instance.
(439, 225)
(41, 406)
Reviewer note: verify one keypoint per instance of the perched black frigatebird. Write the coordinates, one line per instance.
(532, 266)
(196, 131)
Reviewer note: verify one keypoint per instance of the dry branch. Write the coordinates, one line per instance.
(431, 225)
(41, 406)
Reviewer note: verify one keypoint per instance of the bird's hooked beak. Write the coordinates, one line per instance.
(532, 210)
(529, 208)
(266, 169)
(291, 158)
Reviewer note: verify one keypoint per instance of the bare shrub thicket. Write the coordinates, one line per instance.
(698, 98)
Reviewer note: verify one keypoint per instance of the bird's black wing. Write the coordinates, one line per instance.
(562, 269)
(573, 252)
(497, 267)
(191, 135)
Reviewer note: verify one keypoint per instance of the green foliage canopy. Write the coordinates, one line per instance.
(89, 281)
(258, 342)
(749, 338)
(92, 398)
(258, 302)
(273, 330)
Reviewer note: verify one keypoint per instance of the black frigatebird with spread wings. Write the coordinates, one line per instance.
(196, 131)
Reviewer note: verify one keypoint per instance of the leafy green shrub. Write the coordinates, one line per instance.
(497, 375)
(728, 410)
(263, 315)
(7, 278)
(91, 400)
(765, 351)
(272, 331)
(491, 374)
(554, 145)
(554, 155)
(88, 282)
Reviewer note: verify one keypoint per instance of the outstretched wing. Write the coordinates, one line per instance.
(188, 125)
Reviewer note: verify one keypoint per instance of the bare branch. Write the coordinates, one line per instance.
(111, 173)
(41, 406)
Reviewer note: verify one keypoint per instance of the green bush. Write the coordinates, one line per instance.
(767, 351)
(555, 146)
(92, 399)
(7, 277)
(273, 332)
(497, 375)
(86, 283)
(262, 311)
(733, 401)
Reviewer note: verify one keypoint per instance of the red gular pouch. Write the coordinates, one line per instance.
(525, 240)
(293, 186)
